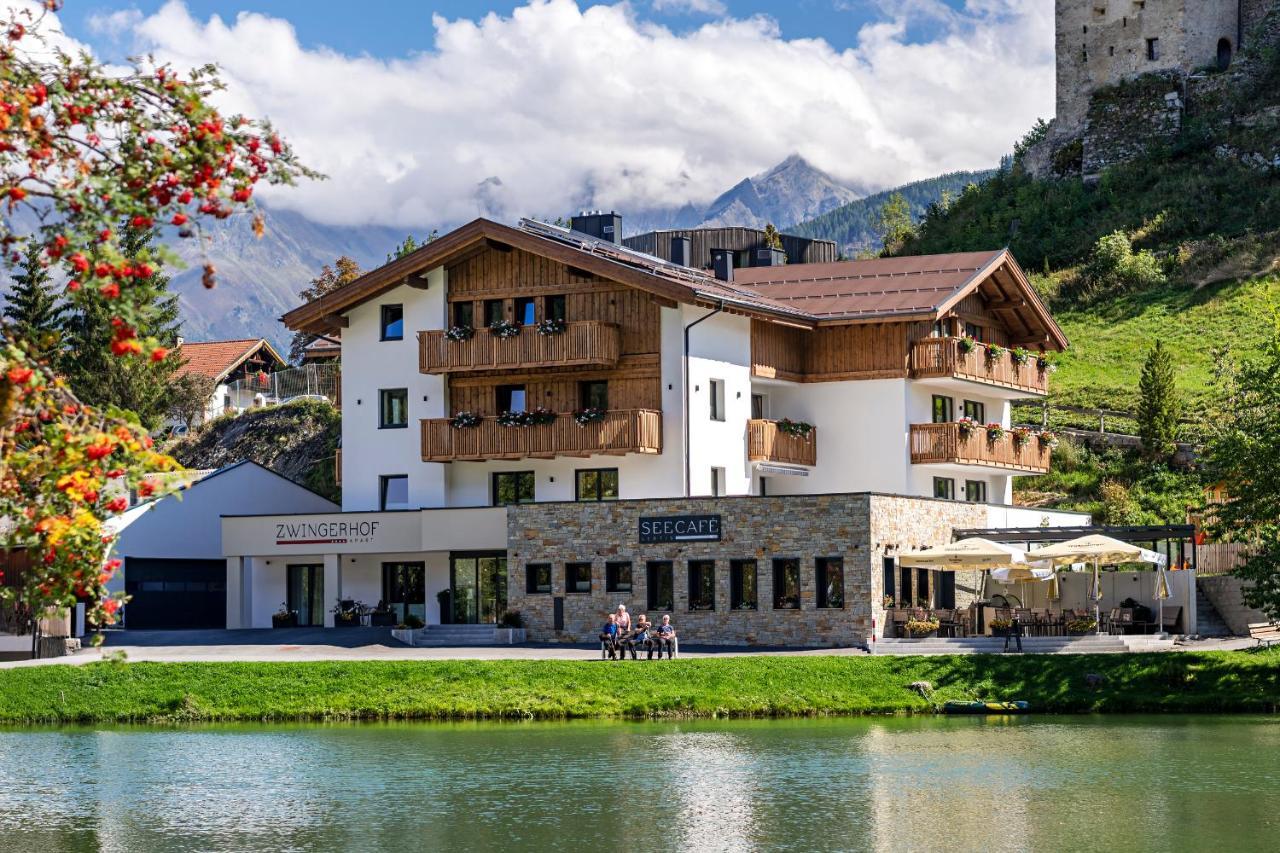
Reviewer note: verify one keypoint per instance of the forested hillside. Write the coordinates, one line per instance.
(853, 226)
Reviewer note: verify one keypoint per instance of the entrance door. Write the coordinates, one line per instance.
(404, 590)
(478, 586)
(305, 594)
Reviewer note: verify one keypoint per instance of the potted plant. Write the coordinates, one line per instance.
(382, 616)
(887, 602)
(966, 345)
(921, 628)
(541, 416)
(1019, 356)
(413, 623)
(796, 429)
(510, 628)
(513, 419)
(995, 352)
(346, 613)
(1001, 627)
(504, 329)
(995, 432)
(967, 427)
(1048, 438)
(589, 415)
(1021, 436)
(1045, 364)
(459, 333)
(1081, 625)
(465, 420)
(553, 326)
(284, 617)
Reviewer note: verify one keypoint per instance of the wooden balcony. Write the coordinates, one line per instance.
(942, 444)
(587, 343)
(621, 432)
(942, 358)
(767, 443)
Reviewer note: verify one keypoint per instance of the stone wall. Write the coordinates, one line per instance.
(1226, 593)
(759, 528)
(1124, 120)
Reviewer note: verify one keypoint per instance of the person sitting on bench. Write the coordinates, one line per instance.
(664, 638)
(639, 636)
(609, 637)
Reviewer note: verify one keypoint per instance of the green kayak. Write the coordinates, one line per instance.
(957, 707)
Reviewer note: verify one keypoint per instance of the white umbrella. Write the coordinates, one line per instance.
(973, 554)
(1099, 550)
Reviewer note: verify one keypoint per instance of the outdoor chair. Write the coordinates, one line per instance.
(1169, 620)
(1121, 620)
(946, 622)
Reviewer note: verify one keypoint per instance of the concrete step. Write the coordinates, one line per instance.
(1209, 623)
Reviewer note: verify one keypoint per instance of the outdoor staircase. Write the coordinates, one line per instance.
(1089, 645)
(455, 635)
(1209, 623)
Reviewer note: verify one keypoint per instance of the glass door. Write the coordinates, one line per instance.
(305, 594)
(404, 590)
(478, 587)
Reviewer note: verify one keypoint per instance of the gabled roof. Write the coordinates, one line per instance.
(806, 295)
(216, 359)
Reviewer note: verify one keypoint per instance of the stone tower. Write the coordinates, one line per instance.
(1103, 42)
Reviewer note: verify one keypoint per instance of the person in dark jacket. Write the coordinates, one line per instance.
(639, 636)
(609, 636)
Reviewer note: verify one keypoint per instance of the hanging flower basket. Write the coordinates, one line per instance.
(588, 415)
(967, 427)
(995, 352)
(796, 429)
(554, 326)
(1049, 439)
(995, 432)
(1019, 356)
(459, 333)
(967, 345)
(1021, 436)
(465, 420)
(1045, 364)
(503, 329)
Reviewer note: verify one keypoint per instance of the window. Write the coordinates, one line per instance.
(617, 577)
(464, 314)
(393, 491)
(392, 322)
(904, 588)
(973, 330)
(947, 590)
(742, 585)
(1153, 49)
(577, 577)
(887, 569)
(537, 578)
(554, 308)
(976, 411)
(786, 584)
(945, 488)
(511, 398)
(975, 491)
(702, 584)
(594, 394)
(597, 484)
(512, 487)
(922, 587)
(943, 409)
(764, 487)
(717, 482)
(939, 329)
(525, 311)
(661, 586)
(717, 399)
(829, 573)
(758, 408)
(494, 311)
(404, 589)
(393, 408)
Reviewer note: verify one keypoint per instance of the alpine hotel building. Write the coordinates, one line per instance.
(541, 420)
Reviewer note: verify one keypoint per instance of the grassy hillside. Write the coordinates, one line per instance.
(852, 226)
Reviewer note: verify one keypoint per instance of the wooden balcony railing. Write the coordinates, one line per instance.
(584, 343)
(941, 357)
(767, 443)
(943, 444)
(623, 431)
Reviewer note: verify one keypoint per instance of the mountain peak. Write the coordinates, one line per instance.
(792, 191)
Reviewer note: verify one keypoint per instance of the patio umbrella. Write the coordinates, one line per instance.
(974, 554)
(1017, 574)
(1162, 592)
(1054, 592)
(1097, 549)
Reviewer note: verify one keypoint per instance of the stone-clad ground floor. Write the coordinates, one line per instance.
(784, 571)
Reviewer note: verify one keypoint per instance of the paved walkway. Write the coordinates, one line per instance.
(318, 644)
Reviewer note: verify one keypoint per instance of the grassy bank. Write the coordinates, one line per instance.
(774, 686)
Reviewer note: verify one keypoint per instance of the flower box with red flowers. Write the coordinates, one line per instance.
(995, 432)
(967, 427)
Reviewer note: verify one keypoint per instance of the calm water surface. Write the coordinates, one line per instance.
(1194, 783)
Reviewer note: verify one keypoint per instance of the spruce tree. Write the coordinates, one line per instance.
(151, 391)
(1159, 407)
(34, 309)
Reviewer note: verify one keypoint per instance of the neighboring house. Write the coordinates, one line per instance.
(224, 363)
(696, 247)
(323, 350)
(538, 419)
(171, 548)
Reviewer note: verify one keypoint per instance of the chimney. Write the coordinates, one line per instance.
(767, 257)
(682, 251)
(598, 224)
(722, 263)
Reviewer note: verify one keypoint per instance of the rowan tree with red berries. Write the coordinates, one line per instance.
(82, 150)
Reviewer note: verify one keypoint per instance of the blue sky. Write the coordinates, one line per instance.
(391, 28)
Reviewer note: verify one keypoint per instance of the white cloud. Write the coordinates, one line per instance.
(557, 107)
(702, 7)
(114, 24)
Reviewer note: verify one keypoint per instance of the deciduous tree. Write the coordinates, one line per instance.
(342, 271)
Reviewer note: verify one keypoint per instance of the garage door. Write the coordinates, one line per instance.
(174, 594)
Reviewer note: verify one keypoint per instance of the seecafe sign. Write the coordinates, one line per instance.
(680, 528)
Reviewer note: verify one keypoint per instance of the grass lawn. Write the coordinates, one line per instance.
(743, 686)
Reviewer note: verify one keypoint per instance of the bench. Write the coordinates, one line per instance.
(1264, 633)
(675, 649)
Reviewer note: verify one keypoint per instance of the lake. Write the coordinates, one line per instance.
(1078, 783)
